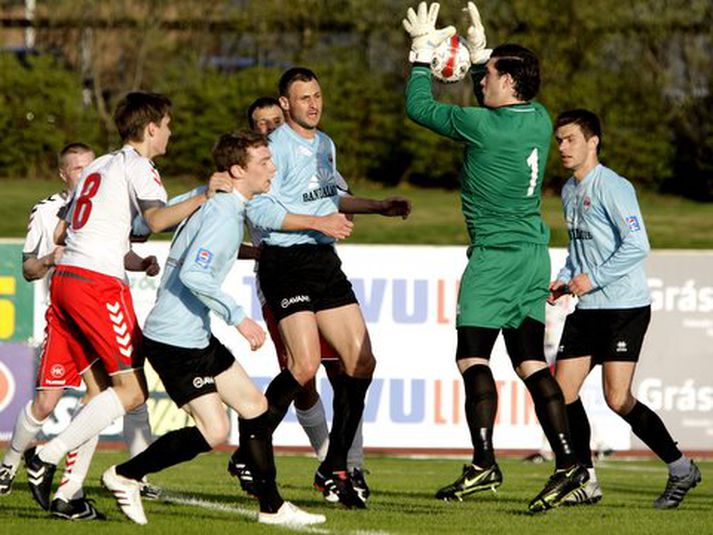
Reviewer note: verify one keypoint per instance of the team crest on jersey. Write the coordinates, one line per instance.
(204, 258)
(586, 203)
(633, 223)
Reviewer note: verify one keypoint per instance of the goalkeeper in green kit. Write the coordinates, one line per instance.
(505, 285)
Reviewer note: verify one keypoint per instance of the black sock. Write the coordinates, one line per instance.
(280, 394)
(256, 449)
(647, 425)
(348, 406)
(581, 432)
(549, 407)
(481, 406)
(173, 448)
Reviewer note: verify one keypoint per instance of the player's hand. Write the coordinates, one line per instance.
(557, 290)
(54, 257)
(252, 332)
(335, 226)
(219, 182)
(476, 37)
(421, 26)
(151, 266)
(580, 285)
(396, 207)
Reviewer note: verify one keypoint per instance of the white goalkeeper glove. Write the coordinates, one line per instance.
(476, 37)
(421, 26)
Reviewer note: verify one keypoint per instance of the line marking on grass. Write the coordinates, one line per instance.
(192, 501)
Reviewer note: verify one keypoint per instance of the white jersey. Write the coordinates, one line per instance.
(40, 231)
(113, 189)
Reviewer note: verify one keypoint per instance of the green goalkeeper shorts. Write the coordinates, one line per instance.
(501, 286)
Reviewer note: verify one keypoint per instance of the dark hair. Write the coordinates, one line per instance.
(524, 67)
(71, 148)
(232, 148)
(258, 104)
(136, 110)
(587, 121)
(295, 74)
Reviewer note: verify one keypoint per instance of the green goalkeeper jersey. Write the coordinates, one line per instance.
(505, 155)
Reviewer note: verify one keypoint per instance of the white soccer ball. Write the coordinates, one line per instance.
(451, 60)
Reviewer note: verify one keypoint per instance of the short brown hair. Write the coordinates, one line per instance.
(137, 110)
(232, 148)
(71, 148)
(295, 74)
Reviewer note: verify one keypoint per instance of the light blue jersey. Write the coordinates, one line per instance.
(305, 183)
(203, 251)
(607, 240)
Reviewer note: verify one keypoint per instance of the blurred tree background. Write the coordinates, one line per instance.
(645, 66)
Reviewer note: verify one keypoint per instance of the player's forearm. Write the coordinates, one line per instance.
(300, 222)
(627, 257)
(359, 205)
(423, 109)
(35, 268)
(160, 218)
(477, 73)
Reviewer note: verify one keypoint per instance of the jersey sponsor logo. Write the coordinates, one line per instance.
(294, 300)
(579, 234)
(633, 223)
(57, 371)
(204, 258)
(320, 193)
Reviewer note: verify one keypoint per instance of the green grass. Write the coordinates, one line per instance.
(402, 501)
(672, 222)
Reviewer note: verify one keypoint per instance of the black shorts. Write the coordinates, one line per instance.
(527, 342)
(303, 277)
(188, 373)
(606, 335)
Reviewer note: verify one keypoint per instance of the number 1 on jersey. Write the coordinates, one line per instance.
(532, 163)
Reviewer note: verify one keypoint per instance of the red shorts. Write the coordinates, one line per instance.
(91, 314)
(327, 351)
(58, 369)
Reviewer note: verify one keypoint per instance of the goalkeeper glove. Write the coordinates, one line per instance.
(476, 37)
(421, 26)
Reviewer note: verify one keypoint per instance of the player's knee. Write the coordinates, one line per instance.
(131, 397)
(304, 371)
(217, 433)
(365, 365)
(619, 402)
(42, 407)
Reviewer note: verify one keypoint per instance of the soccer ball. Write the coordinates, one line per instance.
(451, 60)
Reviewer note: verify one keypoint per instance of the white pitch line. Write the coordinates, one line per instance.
(225, 508)
(249, 513)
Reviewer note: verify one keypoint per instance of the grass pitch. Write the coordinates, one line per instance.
(202, 498)
(436, 219)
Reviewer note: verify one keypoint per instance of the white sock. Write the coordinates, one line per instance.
(355, 455)
(137, 430)
(25, 431)
(592, 475)
(96, 415)
(76, 468)
(314, 422)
